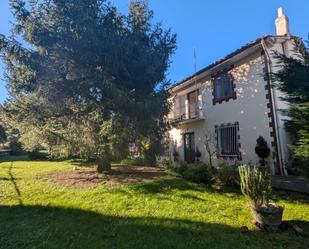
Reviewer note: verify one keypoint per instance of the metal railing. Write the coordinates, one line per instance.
(183, 113)
(228, 144)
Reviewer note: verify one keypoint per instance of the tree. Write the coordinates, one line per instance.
(88, 80)
(293, 80)
(3, 137)
(210, 147)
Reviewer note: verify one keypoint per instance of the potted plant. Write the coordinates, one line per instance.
(262, 150)
(256, 184)
(198, 154)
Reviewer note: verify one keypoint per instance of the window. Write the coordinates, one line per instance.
(223, 87)
(193, 102)
(227, 140)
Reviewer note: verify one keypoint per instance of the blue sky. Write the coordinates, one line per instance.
(213, 28)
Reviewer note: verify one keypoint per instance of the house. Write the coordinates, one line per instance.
(230, 103)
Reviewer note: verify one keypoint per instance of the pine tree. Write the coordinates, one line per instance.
(293, 80)
(86, 79)
(3, 136)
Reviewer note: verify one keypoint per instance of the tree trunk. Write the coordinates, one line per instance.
(104, 166)
(104, 160)
(210, 159)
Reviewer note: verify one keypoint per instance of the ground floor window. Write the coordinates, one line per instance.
(227, 139)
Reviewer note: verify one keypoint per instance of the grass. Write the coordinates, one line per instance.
(165, 213)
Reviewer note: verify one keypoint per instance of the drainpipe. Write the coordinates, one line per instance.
(274, 106)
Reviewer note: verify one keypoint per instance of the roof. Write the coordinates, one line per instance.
(241, 49)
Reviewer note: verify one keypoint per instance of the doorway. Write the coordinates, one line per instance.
(189, 147)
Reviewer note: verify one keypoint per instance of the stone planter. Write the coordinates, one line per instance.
(268, 217)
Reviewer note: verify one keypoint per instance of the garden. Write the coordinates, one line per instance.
(159, 209)
(88, 87)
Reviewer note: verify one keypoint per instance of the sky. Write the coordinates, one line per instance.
(213, 28)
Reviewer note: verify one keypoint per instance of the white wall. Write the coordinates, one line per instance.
(283, 46)
(249, 109)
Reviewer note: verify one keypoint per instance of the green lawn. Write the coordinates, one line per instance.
(165, 213)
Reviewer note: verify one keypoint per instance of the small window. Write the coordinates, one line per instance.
(227, 140)
(223, 86)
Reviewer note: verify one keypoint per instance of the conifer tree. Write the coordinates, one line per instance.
(84, 79)
(293, 80)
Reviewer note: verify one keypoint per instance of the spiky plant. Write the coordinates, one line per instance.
(256, 184)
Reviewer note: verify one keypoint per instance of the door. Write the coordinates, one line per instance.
(192, 99)
(189, 147)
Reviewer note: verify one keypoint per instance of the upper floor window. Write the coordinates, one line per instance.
(193, 104)
(223, 87)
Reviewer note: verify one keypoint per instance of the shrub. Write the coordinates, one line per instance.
(167, 163)
(136, 161)
(180, 167)
(15, 147)
(227, 174)
(199, 173)
(37, 155)
(262, 149)
(256, 184)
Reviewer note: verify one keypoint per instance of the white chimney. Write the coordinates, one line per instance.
(282, 23)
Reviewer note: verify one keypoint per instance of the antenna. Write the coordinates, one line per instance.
(194, 59)
(194, 64)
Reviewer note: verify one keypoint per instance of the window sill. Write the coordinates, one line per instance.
(226, 99)
(238, 156)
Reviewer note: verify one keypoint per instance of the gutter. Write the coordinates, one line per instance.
(274, 110)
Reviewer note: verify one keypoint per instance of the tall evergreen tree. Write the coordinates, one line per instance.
(3, 136)
(86, 80)
(293, 80)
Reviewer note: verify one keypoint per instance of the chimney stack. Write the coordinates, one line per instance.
(282, 23)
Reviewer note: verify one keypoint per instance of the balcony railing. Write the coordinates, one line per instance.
(187, 113)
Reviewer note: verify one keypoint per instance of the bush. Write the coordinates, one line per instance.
(133, 161)
(16, 147)
(38, 155)
(227, 174)
(199, 173)
(262, 150)
(180, 167)
(167, 163)
(256, 184)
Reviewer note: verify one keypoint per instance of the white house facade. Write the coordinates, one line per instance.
(232, 102)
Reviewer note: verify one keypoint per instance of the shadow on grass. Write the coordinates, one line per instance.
(11, 178)
(13, 181)
(26, 158)
(14, 158)
(290, 196)
(83, 163)
(49, 227)
(167, 184)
